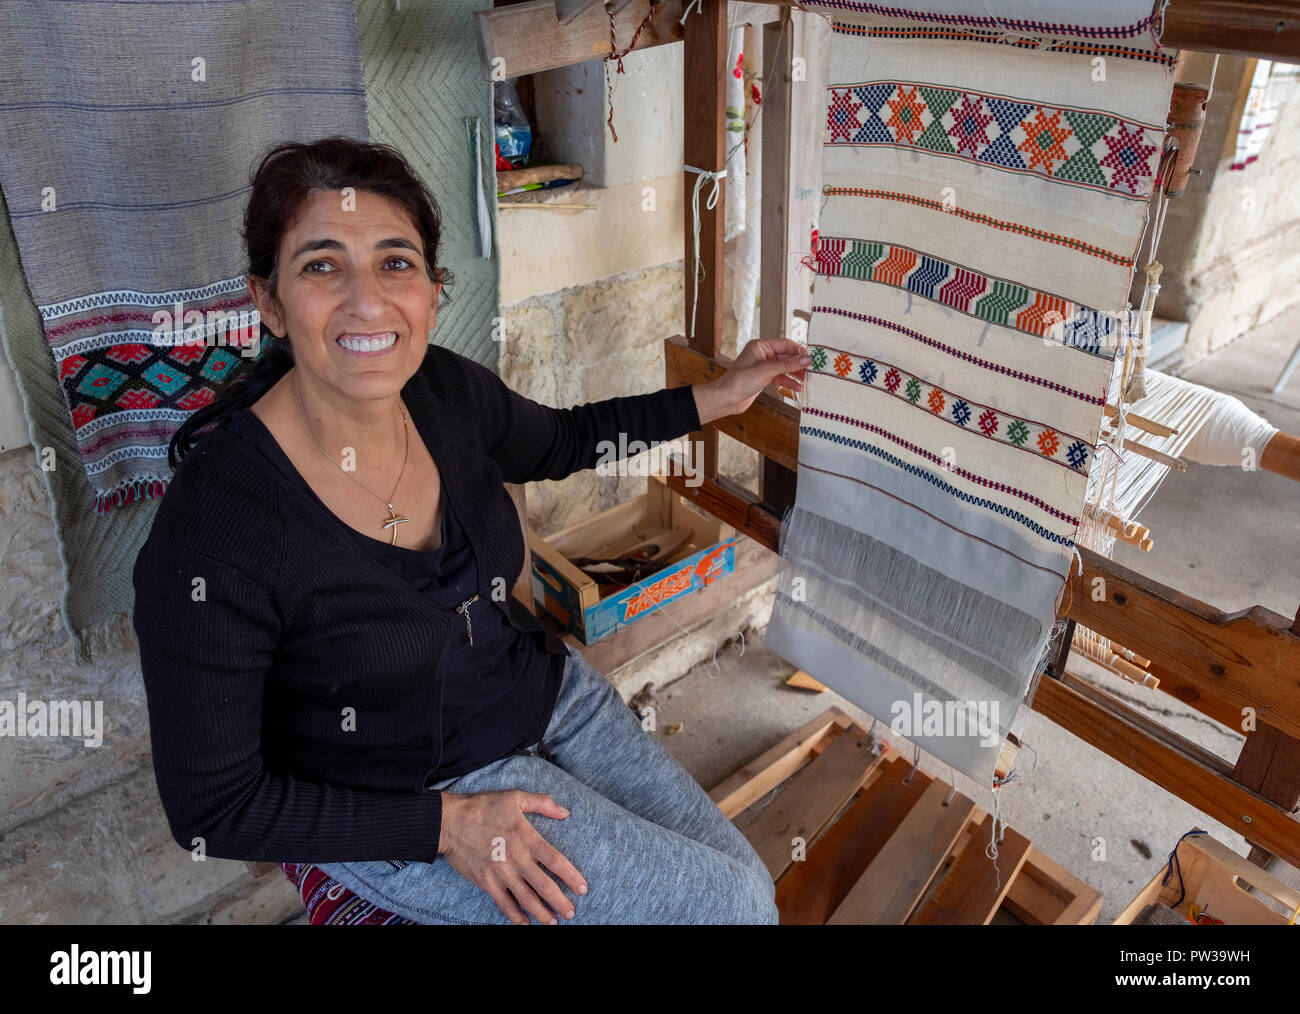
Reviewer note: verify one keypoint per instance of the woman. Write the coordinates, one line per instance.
(336, 670)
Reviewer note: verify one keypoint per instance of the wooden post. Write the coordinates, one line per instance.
(705, 37)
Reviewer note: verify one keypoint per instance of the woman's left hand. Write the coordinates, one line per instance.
(763, 361)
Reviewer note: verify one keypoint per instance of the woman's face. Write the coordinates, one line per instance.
(353, 274)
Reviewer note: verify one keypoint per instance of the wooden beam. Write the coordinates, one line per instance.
(736, 505)
(1246, 659)
(1267, 31)
(704, 146)
(894, 882)
(817, 794)
(811, 890)
(769, 425)
(1270, 765)
(526, 38)
(768, 770)
(969, 893)
(1171, 762)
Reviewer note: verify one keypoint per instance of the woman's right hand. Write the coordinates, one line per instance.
(512, 865)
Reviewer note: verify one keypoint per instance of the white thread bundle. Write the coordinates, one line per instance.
(1213, 428)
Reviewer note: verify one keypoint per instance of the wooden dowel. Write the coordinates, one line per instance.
(1132, 656)
(1282, 455)
(1141, 422)
(568, 209)
(1132, 673)
(1147, 452)
(1135, 535)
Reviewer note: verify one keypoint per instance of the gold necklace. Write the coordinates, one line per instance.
(394, 519)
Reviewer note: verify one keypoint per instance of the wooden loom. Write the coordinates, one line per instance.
(1219, 663)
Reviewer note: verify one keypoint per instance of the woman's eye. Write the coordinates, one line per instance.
(401, 259)
(307, 267)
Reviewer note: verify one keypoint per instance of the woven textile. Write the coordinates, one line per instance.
(329, 903)
(126, 194)
(1256, 117)
(985, 189)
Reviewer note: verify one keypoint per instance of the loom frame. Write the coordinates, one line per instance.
(1217, 662)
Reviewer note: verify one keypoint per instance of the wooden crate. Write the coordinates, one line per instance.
(1217, 880)
(883, 847)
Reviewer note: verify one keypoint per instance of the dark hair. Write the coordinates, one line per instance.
(287, 175)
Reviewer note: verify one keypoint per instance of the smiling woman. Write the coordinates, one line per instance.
(338, 683)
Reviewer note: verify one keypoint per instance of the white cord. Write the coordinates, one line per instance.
(701, 176)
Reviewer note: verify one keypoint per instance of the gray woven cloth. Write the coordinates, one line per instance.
(137, 161)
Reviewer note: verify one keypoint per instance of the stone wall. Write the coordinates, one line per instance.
(1231, 243)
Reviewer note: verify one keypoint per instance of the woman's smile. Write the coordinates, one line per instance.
(367, 344)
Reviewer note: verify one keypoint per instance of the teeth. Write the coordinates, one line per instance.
(354, 343)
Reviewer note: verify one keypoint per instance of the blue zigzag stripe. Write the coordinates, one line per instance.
(934, 480)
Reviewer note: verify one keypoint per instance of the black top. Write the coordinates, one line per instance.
(499, 691)
(294, 681)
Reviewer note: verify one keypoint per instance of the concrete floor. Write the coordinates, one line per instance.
(1222, 535)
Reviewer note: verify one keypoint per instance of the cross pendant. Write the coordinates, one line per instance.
(395, 520)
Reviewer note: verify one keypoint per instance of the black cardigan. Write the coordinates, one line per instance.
(264, 627)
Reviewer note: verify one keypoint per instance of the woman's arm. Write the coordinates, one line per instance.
(532, 441)
(205, 651)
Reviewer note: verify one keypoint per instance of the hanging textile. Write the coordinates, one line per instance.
(124, 182)
(126, 187)
(987, 169)
(1256, 117)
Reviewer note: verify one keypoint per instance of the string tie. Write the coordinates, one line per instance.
(712, 202)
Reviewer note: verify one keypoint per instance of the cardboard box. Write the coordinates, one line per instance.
(592, 611)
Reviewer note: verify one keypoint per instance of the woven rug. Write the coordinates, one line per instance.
(985, 190)
(140, 164)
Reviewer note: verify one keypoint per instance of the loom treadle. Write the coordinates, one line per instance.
(885, 844)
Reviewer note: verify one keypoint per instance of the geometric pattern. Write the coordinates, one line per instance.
(1002, 24)
(987, 297)
(964, 413)
(935, 481)
(120, 361)
(1051, 385)
(1082, 147)
(1001, 38)
(974, 216)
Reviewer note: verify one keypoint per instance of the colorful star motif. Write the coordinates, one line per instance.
(1128, 157)
(1042, 144)
(970, 125)
(842, 115)
(908, 108)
